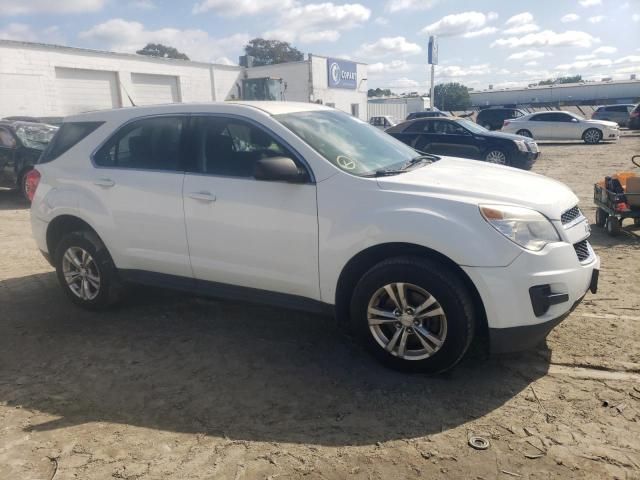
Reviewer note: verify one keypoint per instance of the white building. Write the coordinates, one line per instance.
(41, 80)
(396, 107)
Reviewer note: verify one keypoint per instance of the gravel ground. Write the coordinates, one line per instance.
(169, 386)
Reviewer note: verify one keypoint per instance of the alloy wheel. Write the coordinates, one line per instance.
(496, 156)
(81, 273)
(407, 321)
(592, 136)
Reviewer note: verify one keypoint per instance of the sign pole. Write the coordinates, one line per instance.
(433, 60)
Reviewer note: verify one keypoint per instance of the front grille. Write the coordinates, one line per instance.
(582, 250)
(570, 215)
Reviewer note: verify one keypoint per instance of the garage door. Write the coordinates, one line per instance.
(154, 89)
(21, 95)
(84, 90)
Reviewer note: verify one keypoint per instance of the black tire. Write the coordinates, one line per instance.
(110, 286)
(592, 136)
(438, 280)
(636, 222)
(22, 184)
(487, 126)
(524, 133)
(601, 218)
(613, 226)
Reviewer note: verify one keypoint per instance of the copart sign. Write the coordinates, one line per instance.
(342, 74)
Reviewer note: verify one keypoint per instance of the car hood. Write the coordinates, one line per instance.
(602, 122)
(478, 182)
(507, 136)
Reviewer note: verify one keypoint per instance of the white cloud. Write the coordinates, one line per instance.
(26, 7)
(596, 19)
(590, 3)
(635, 17)
(480, 33)
(454, 71)
(520, 19)
(25, 33)
(405, 82)
(526, 55)
(395, 66)
(125, 36)
(570, 17)
(398, 5)
(570, 38)
(585, 57)
(314, 21)
(389, 46)
(628, 59)
(237, 8)
(381, 21)
(527, 28)
(458, 24)
(532, 63)
(606, 50)
(585, 64)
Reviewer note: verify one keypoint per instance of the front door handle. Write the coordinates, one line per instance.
(104, 182)
(203, 196)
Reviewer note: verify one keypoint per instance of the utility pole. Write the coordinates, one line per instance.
(433, 60)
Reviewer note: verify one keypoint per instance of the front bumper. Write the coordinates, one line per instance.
(524, 159)
(514, 323)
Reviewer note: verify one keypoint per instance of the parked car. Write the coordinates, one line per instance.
(634, 118)
(562, 126)
(427, 114)
(304, 206)
(493, 118)
(383, 122)
(614, 113)
(21, 143)
(463, 138)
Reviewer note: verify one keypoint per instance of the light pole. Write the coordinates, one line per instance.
(433, 60)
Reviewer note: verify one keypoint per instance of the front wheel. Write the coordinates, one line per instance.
(496, 156)
(413, 314)
(592, 136)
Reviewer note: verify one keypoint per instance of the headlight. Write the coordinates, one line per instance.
(526, 227)
(521, 144)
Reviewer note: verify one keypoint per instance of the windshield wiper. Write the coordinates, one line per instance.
(423, 158)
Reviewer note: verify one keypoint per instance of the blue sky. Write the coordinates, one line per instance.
(504, 43)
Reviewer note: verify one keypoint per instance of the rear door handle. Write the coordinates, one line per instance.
(203, 196)
(104, 182)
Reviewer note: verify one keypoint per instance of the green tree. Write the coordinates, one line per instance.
(163, 51)
(269, 52)
(452, 96)
(379, 92)
(571, 79)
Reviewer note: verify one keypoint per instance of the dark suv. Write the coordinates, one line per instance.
(426, 114)
(614, 113)
(493, 118)
(634, 118)
(21, 144)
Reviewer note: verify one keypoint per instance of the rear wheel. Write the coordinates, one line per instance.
(524, 133)
(86, 271)
(22, 184)
(496, 156)
(487, 126)
(413, 315)
(636, 222)
(601, 217)
(613, 226)
(592, 136)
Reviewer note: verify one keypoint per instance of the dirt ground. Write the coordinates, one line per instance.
(169, 386)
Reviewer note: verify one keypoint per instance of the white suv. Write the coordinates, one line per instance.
(303, 206)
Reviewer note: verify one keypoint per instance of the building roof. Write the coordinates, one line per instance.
(558, 85)
(16, 43)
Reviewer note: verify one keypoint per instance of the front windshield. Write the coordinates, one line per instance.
(472, 126)
(35, 136)
(350, 144)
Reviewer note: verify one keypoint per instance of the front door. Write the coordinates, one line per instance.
(8, 145)
(242, 231)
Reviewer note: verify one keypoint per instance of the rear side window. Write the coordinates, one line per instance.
(148, 144)
(619, 108)
(69, 135)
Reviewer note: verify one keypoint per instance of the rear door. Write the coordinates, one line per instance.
(451, 139)
(139, 177)
(242, 231)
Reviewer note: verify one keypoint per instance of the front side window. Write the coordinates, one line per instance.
(348, 143)
(148, 144)
(6, 139)
(230, 147)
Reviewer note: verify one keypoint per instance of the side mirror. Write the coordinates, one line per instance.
(279, 169)
(574, 120)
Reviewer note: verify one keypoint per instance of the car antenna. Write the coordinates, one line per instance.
(128, 96)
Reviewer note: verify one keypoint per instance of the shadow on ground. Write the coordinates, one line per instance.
(178, 363)
(12, 200)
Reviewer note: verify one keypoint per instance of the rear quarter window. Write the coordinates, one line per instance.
(69, 135)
